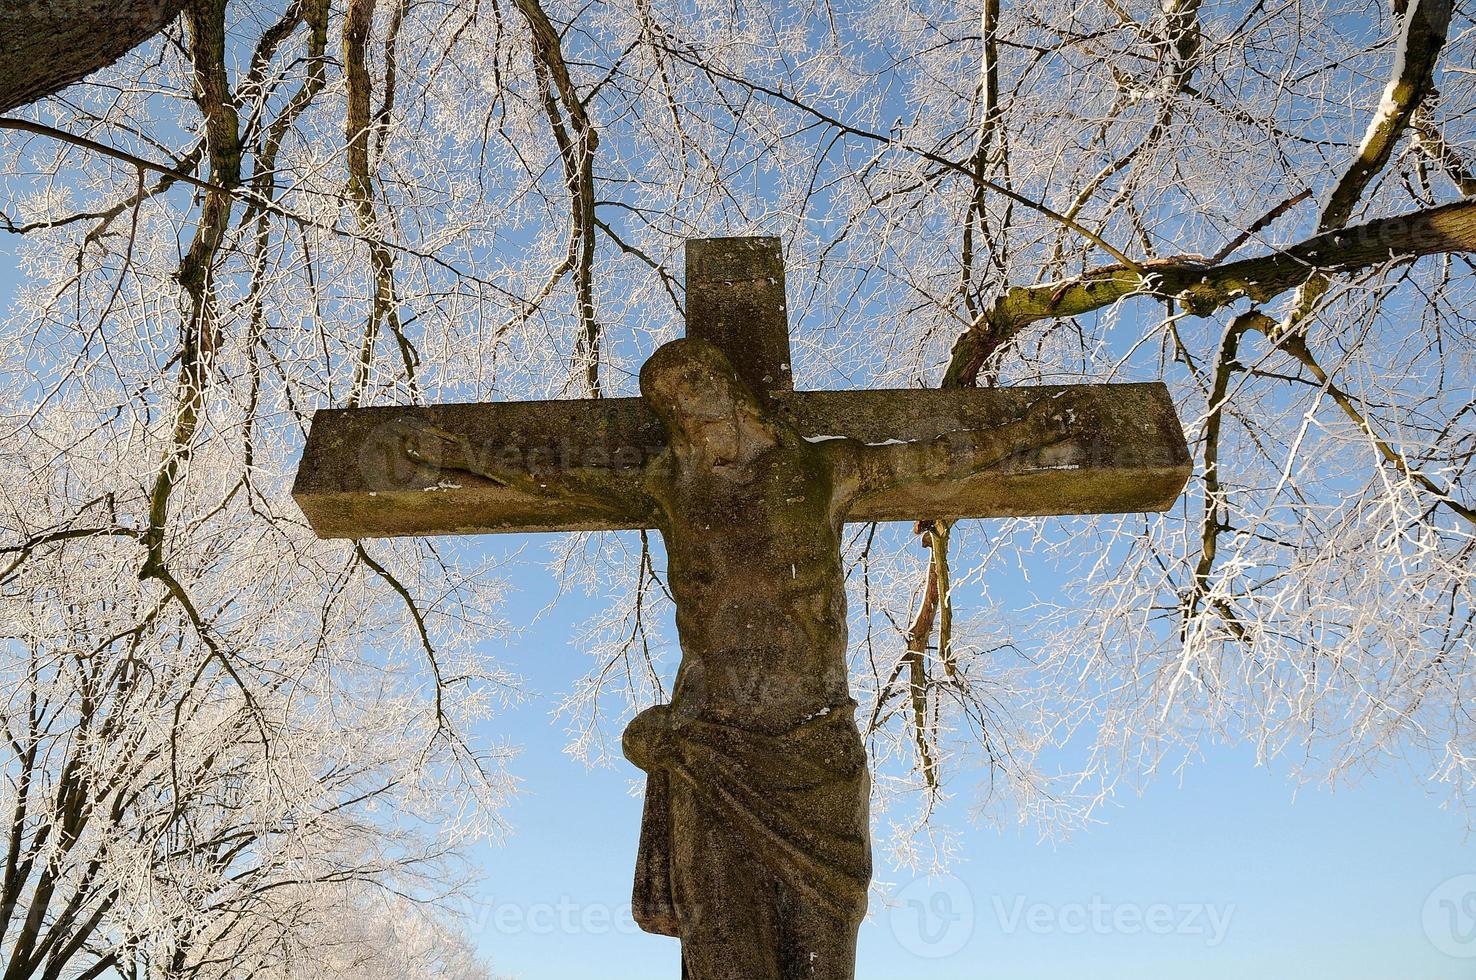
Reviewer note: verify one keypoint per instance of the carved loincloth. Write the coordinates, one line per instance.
(797, 800)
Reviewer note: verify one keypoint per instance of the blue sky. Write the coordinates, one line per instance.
(1230, 872)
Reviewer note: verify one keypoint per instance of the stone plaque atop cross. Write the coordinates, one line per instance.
(755, 844)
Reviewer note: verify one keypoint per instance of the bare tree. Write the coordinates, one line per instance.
(316, 202)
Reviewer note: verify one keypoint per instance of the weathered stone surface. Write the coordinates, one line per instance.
(735, 301)
(375, 472)
(1125, 453)
(761, 794)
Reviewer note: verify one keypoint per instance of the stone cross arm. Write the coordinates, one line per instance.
(580, 464)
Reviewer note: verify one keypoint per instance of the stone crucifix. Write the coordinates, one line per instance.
(755, 845)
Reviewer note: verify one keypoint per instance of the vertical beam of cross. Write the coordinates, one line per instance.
(735, 301)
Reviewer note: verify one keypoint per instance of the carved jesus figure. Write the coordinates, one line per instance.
(755, 843)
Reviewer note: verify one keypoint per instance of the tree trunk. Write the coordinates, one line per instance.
(47, 46)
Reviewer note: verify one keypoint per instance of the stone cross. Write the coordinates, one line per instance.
(755, 845)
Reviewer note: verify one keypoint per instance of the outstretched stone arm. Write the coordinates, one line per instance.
(1047, 435)
(911, 454)
(593, 488)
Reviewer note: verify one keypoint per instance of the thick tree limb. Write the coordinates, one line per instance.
(1421, 38)
(44, 47)
(199, 333)
(1202, 288)
(1417, 45)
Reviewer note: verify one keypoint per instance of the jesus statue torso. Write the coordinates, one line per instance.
(752, 516)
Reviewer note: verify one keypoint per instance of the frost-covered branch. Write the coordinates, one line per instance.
(1204, 289)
